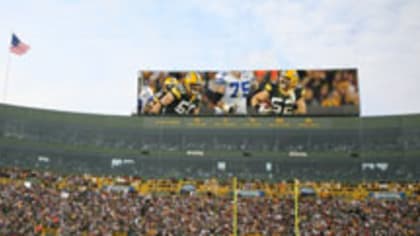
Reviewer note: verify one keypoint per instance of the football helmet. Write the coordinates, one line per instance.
(289, 80)
(169, 83)
(193, 82)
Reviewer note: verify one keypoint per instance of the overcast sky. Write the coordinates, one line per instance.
(85, 54)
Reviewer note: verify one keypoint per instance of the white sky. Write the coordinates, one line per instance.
(85, 54)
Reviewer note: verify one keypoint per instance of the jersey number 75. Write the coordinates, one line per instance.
(239, 88)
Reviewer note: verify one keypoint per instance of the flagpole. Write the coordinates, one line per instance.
(6, 78)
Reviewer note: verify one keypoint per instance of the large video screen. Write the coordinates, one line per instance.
(254, 93)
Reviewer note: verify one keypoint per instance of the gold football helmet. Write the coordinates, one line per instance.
(289, 80)
(169, 83)
(193, 82)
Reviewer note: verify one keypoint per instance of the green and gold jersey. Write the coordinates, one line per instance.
(283, 103)
(183, 104)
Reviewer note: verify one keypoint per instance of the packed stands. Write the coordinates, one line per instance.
(76, 174)
(46, 203)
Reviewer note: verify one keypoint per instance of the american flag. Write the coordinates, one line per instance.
(18, 47)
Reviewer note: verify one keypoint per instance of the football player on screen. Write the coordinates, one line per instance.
(234, 88)
(179, 97)
(283, 97)
(146, 89)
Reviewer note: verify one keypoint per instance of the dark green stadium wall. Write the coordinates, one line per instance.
(345, 148)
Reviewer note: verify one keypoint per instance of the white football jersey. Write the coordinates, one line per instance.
(145, 96)
(236, 89)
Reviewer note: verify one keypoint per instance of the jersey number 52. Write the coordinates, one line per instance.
(282, 105)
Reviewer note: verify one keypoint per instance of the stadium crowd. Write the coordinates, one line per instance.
(43, 203)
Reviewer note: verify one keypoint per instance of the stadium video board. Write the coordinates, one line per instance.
(254, 93)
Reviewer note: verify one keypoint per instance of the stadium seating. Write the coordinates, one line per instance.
(66, 173)
(347, 148)
(47, 203)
